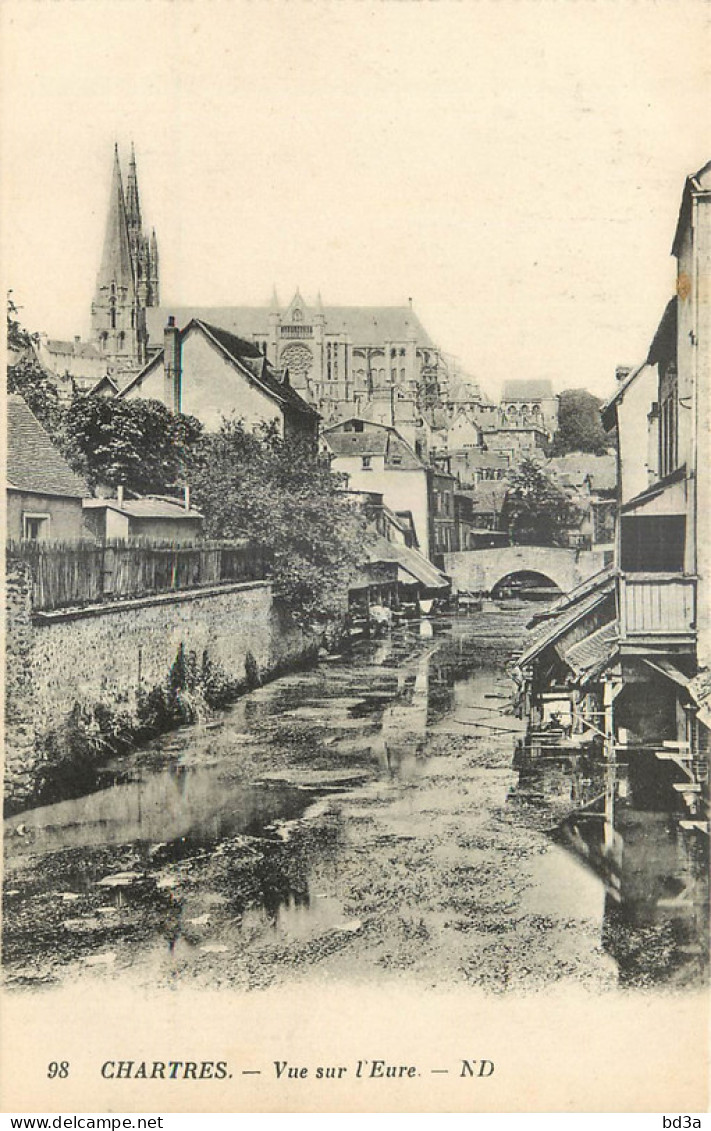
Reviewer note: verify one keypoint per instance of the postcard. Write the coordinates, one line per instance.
(357, 616)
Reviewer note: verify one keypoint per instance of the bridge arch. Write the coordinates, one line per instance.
(527, 578)
(481, 570)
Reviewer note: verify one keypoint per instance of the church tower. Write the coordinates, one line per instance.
(127, 282)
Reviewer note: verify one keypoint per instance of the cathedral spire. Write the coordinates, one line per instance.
(133, 204)
(116, 258)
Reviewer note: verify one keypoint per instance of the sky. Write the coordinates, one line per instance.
(513, 166)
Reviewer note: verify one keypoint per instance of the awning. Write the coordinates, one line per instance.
(412, 562)
(552, 631)
(590, 656)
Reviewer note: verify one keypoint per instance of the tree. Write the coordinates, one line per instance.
(579, 425)
(137, 444)
(27, 376)
(280, 494)
(536, 511)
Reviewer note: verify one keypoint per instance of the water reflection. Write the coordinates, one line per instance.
(416, 728)
(654, 873)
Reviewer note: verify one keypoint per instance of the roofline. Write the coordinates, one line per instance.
(42, 491)
(691, 188)
(619, 394)
(307, 408)
(204, 326)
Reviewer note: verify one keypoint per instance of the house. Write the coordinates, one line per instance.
(375, 457)
(663, 546)
(517, 440)
(590, 481)
(443, 528)
(211, 374)
(474, 465)
(44, 495)
(153, 518)
(487, 504)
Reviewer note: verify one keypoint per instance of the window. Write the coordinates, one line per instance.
(366, 463)
(668, 421)
(35, 527)
(297, 315)
(652, 543)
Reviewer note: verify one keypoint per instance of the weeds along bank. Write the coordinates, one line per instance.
(83, 685)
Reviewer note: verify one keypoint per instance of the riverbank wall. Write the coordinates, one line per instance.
(104, 669)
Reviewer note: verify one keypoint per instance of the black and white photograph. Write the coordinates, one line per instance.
(357, 581)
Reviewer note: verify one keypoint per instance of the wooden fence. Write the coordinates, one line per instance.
(68, 574)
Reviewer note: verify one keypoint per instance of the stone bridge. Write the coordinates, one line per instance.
(479, 571)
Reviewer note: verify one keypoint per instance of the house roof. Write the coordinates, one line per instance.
(374, 440)
(577, 467)
(106, 381)
(608, 416)
(488, 495)
(363, 325)
(527, 390)
(416, 565)
(71, 349)
(589, 656)
(551, 632)
(33, 462)
(663, 347)
(602, 581)
(695, 185)
(145, 508)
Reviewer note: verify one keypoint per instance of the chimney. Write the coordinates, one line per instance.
(172, 366)
(119, 495)
(187, 496)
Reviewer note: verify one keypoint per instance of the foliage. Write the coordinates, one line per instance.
(536, 511)
(579, 425)
(281, 494)
(137, 444)
(27, 376)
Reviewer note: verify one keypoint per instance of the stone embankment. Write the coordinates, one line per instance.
(99, 676)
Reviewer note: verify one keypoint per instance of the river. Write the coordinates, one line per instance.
(359, 820)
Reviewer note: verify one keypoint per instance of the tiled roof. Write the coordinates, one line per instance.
(374, 440)
(33, 462)
(551, 631)
(422, 570)
(576, 467)
(488, 495)
(72, 349)
(364, 325)
(591, 654)
(526, 390)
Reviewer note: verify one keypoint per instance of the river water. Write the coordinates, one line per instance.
(359, 820)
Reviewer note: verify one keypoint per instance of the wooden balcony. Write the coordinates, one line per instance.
(657, 612)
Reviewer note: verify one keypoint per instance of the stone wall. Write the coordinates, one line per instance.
(113, 653)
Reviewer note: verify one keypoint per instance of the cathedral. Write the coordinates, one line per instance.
(127, 283)
(377, 362)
